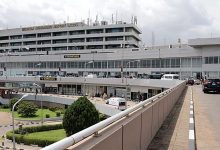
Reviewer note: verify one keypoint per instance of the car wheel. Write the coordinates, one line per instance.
(205, 91)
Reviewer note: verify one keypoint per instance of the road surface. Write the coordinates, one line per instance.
(207, 119)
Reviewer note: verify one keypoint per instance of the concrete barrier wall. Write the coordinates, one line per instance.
(135, 131)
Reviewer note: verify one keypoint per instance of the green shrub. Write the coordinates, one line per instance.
(53, 109)
(12, 102)
(27, 141)
(102, 117)
(80, 115)
(47, 115)
(5, 106)
(40, 128)
(27, 109)
(58, 114)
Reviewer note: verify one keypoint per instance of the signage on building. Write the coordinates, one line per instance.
(48, 78)
(76, 24)
(71, 56)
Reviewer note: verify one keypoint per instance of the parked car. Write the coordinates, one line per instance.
(211, 85)
(190, 81)
(170, 77)
(197, 81)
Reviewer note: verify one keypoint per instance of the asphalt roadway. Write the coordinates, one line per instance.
(207, 119)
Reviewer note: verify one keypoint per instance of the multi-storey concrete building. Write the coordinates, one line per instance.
(108, 50)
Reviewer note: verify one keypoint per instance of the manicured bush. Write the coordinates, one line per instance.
(5, 106)
(58, 114)
(47, 115)
(102, 117)
(27, 109)
(26, 140)
(80, 115)
(40, 128)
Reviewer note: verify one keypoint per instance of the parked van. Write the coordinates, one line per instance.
(170, 77)
(118, 102)
(91, 76)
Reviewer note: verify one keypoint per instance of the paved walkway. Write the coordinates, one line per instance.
(174, 133)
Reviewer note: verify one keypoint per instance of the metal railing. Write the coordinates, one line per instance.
(71, 140)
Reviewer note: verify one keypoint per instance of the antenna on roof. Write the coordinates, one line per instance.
(88, 19)
(96, 18)
(132, 19)
(116, 16)
(135, 19)
(112, 18)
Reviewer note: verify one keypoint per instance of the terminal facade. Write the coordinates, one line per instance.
(107, 50)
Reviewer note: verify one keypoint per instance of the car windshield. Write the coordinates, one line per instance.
(122, 103)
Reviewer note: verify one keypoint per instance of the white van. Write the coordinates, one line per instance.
(91, 76)
(170, 77)
(117, 102)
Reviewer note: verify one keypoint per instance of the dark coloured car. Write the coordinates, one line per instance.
(211, 85)
(190, 81)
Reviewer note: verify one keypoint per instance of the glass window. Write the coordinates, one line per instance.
(153, 63)
(216, 60)
(173, 65)
(148, 64)
(118, 64)
(158, 63)
(111, 64)
(143, 63)
(206, 60)
(104, 64)
(167, 63)
(211, 60)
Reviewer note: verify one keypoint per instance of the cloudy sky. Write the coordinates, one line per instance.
(168, 20)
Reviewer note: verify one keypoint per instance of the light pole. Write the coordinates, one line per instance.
(41, 106)
(38, 66)
(127, 77)
(25, 95)
(85, 76)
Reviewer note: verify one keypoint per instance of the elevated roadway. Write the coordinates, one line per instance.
(207, 119)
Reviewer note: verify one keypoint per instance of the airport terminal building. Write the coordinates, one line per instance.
(103, 49)
(107, 50)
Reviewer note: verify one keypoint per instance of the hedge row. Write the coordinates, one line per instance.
(40, 128)
(19, 138)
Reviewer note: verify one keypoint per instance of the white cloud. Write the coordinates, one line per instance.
(168, 19)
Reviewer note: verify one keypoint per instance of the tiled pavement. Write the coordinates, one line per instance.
(174, 133)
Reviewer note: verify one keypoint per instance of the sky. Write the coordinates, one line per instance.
(165, 20)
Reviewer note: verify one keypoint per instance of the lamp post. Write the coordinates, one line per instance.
(85, 76)
(126, 76)
(14, 148)
(38, 66)
(41, 106)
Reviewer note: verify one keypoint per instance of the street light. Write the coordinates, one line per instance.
(25, 95)
(41, 106)
(85, 75)
(127, 77)
(38, 66)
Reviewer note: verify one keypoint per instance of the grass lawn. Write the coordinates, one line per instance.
(54, 135)
(37, 117)
(4, 110)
